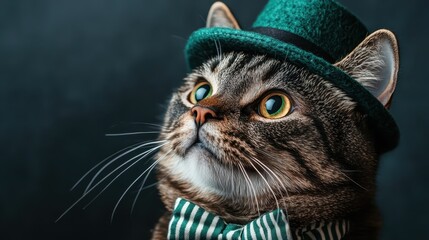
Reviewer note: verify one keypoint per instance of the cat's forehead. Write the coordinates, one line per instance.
(244, 75)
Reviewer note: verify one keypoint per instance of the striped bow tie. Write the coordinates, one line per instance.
(190, 221)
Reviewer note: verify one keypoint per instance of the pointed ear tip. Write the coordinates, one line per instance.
(220, 10)
(218, 5)
(388, 40)
(387, 35)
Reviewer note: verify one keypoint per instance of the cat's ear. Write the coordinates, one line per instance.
(221, 16)
(374, 64)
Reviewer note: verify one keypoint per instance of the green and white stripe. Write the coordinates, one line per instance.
(190, 221)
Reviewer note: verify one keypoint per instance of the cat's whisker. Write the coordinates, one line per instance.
(178, 37)
(246, 175)
(147, 187)
(118, 157)
(153, 126)
(128, 133)
(274, 175)
(264, 166)
(220, 49)
(132, 184)
(271, 171)
(128, 188)
(247, 182)
(144, 181)
(203, 19)
(141, 187)
(98, 164)
(217, 48)
(146, 123)
(139, 156)
(353, 181)
(266, 182)
(102, 180)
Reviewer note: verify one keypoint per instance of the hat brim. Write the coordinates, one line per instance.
(206, 43)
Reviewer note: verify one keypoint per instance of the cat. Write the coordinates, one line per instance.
(247, 133)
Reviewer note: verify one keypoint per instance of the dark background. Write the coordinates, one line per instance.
(72, 71)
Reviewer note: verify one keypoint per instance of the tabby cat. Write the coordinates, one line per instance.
(246, 134)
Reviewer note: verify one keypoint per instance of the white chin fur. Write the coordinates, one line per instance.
(207, 176)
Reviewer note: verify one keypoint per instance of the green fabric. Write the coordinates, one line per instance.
(323, 22)
(190, 221)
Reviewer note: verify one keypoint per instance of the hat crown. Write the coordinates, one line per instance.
(324, 23)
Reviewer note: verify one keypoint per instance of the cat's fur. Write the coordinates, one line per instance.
(318, 163)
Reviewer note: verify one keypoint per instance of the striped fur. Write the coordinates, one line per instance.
(318, 163)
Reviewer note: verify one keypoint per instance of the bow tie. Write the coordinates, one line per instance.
(190, 221)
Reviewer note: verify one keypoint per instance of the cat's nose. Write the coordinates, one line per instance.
(202, 114)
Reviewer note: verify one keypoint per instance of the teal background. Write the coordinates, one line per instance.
(72, 71)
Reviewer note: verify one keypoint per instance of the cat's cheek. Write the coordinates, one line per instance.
(181, 135)
(189, 129)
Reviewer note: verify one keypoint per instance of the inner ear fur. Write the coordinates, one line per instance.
(375, 63)
(220, 16)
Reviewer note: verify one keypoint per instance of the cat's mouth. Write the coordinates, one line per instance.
(198, 145)
(197, 140)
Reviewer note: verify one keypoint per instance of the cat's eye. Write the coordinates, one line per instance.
(201, 91)
(274, 105)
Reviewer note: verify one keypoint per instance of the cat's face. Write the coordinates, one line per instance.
(273, 129)
(248, 133)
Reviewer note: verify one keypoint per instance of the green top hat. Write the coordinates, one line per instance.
(310, 33)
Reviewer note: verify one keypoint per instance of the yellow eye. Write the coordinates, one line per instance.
(201, 91)
(274, 105)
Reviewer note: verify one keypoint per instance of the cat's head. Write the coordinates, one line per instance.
(249, 132)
